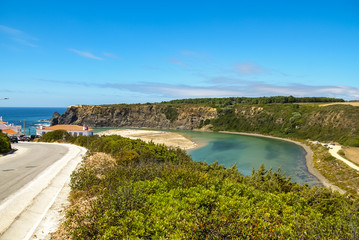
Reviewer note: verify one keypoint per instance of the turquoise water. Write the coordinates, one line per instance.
(249, 152)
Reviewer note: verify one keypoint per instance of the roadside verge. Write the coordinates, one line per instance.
(22, 212)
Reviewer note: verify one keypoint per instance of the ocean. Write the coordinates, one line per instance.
(30, 117)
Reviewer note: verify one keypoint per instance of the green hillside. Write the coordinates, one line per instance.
(304, 121)
(147, 191)
(290, 117)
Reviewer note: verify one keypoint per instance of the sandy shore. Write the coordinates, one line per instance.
(355, 104)
(170, 139)
(308, 159)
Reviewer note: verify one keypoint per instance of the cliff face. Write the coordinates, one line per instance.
(330, 123)
(149, 116)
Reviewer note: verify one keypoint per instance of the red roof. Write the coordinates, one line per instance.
(64, 127)
(9, 131)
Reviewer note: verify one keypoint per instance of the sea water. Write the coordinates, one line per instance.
(30, 117)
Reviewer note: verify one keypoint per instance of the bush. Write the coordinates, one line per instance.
(57, 135)
(152, 192)
(171, 113)
(5, 145)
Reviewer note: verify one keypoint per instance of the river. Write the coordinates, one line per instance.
(249, 152)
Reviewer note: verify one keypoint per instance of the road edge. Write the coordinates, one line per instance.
(27, 207)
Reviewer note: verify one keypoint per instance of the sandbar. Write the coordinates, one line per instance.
(170, 139)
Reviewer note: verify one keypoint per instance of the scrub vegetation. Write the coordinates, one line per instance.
(289, 117)
(129, 189)
(337, 172)
(281, 116)
(5, 145)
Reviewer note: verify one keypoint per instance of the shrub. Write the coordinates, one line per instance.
(57, 135)
(171, 113)
(152, 192)
(5, 145)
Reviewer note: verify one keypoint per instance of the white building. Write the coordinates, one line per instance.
(74, 130)
(9, 129)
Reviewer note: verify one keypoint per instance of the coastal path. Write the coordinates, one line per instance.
(334, 152)
(31, 179)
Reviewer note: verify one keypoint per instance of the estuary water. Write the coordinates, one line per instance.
(248, 152)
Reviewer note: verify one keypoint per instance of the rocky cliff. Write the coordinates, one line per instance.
(304, 121)
(149, 116)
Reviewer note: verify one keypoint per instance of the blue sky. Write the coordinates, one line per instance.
(60, 53)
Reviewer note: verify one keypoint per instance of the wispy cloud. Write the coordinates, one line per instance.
(10, 31)
(18, 36)
(110, 55)
(85, 54)
(168, 90)
(248, 68)
(177, 62)
(239, 88)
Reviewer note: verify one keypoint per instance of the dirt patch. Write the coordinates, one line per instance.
(355, 104)
(99, 160)
(352, 154)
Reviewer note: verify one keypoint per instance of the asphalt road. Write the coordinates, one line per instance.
(29, 161)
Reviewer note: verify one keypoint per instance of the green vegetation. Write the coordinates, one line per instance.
(171, 113)
(337, 172)
(147, 191)
(355, 142)
(57, 135)
(281, 116)
(5, 145)
(331, 123)
(221, 102)
(342, 153)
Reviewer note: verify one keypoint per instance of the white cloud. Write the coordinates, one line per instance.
(248, 68)
(231, 88)
(85, 54)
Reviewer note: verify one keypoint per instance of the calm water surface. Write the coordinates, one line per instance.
(249, 152)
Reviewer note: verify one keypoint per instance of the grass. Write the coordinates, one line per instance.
(337, 172)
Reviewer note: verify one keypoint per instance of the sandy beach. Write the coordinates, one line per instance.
(170, 139)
